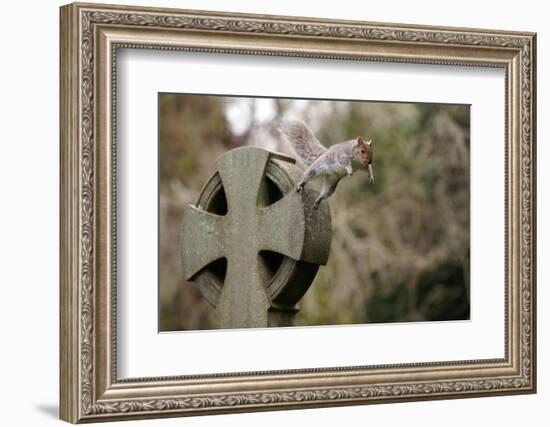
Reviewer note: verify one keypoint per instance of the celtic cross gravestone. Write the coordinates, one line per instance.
(251, 243)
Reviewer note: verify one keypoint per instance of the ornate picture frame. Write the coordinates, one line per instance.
(90, 37)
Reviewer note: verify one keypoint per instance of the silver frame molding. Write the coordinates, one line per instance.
(90, 37)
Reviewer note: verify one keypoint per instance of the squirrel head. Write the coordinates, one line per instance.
(363, 151)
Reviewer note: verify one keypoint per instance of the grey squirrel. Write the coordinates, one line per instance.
(333, 163)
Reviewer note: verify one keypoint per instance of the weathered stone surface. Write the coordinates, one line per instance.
(270, 236)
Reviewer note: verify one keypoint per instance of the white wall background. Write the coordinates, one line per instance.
(29, 171)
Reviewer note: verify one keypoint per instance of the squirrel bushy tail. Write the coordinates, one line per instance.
(302, 140)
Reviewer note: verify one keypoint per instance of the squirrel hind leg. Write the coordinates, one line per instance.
(329, 186)
(310, 173)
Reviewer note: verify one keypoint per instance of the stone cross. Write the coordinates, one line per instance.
(269, 237)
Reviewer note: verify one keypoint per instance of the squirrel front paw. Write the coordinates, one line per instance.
(349, 170)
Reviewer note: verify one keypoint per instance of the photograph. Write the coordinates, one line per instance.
(390, 195)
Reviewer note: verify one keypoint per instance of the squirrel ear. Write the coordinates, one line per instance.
(369, 142)
(360, 141)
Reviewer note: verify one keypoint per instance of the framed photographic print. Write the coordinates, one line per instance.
(266, 212)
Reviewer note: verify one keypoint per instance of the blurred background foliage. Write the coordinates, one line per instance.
(400, 247)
